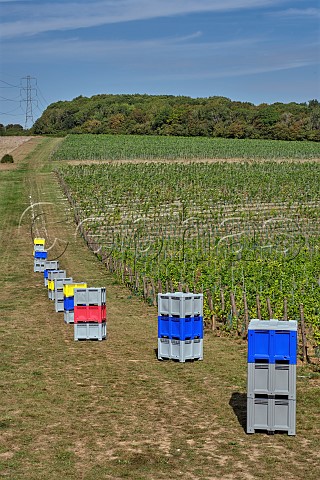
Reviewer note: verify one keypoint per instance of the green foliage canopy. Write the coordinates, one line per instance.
(181, 116)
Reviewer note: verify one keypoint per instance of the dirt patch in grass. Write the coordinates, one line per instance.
(18, 147)
(7, 166)
(9, 144)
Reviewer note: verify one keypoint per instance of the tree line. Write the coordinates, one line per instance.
(12, 129)
(181, 116)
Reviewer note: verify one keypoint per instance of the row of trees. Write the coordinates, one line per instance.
(12, 129)
(179, 115)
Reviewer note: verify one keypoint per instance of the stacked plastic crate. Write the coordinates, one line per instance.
(49, 265)
(59, 284)
(52, 276)
(39, 254)
(271, 387)
(90, 318)
(180, 326)
(68, 300)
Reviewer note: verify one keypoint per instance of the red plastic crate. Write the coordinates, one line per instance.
(90, 313)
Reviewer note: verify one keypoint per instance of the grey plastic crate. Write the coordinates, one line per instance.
(90, 331)
(181, 304)
(68, 316)
(90, 296)
(59, 305)
(51, 264)
(271, 379)
(53, 274)
(181, 350)
(60, 282)
(271, 413)
(38, 248)
(38, 265)
(58, 292)
(273, 324)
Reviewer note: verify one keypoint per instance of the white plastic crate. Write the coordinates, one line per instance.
(181, 350)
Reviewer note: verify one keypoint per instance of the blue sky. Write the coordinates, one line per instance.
(262, 51)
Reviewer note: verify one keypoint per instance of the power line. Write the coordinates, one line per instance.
(39, 99)
(45, 101)
(10, 99)
(12, 114)
(9, 84)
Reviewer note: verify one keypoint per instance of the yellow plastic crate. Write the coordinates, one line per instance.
(50, 284)
(68, 290)
(39, 241)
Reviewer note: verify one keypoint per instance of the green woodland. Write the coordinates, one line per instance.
(181, 116)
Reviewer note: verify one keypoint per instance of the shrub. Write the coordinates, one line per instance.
(7, 158)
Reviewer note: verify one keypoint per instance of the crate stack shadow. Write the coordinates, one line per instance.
(180, 326)
(271, 382)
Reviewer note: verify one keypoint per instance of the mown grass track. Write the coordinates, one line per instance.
(110, 410)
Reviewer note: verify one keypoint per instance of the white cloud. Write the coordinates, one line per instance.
(296, 12)
(168, 58)
(22, 19)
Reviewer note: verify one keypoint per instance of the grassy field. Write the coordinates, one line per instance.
(110, 410)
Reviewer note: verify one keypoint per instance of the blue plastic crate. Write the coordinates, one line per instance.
(68, 303)
(174, 327)
(272, 346)
(42, 255)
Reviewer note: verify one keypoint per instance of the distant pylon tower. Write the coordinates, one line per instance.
(28, 87)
